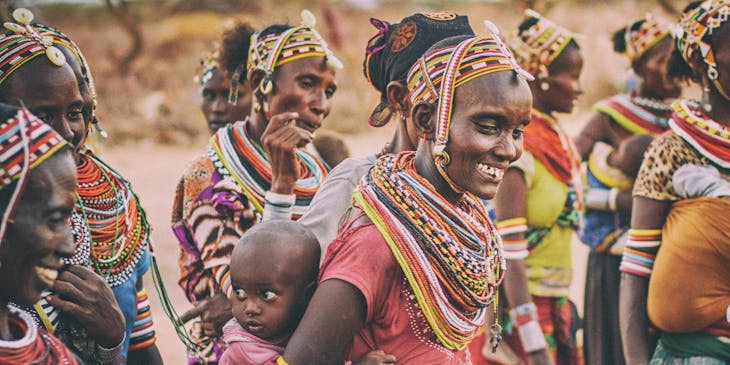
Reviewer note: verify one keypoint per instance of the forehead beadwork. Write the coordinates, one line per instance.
(695, 31)
(536, 47)
(208, 65)
(651, 31)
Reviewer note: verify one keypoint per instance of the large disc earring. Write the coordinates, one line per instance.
(544, 86)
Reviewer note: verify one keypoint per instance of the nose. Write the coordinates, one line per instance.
(219, 105)
(507, 148)
(252, 307)
(66, 247)
(320, 104)
(63, 127)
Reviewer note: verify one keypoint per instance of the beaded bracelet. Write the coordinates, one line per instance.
(601, 199)
(278, 206)
(109, 355)
(513, 249)
(640, 251)
(525, 319)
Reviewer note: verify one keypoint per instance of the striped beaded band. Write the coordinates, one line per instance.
(513, 249)
(640, 251)
(651, 31)
(438, 73)
(538, 46)
(208, 65)
(143, 330)
(695, 31)
(23, 44)
(25, 142)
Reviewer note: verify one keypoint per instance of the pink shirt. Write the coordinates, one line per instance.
(394, 323)
(247, 349)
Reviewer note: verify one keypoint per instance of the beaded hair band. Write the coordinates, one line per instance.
(695, 31)
(651, 31)
(25, 44)
(208, 65)
(437, 74)
(273, 50)
(538, 46)
(25, 142)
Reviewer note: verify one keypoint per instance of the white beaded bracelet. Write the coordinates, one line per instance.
(278, 206)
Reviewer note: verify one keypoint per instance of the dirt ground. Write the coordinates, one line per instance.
(154, 171)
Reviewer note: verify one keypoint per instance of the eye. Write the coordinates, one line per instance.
(306, 83)
(208, 95)
(75, 113)
(44, 116)
(518, 133)
(488, 129)
(240, 294)
(330, 91)
(268, 295)
(59, 217)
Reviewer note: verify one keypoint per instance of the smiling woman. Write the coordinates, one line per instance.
(37, 198)
(256, 168)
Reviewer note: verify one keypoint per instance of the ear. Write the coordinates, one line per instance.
(254, 78)
(424, 118)
(397, 94)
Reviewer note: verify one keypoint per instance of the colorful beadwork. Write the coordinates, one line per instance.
(208, 65)
(143, 331)
(640, 251)
(537, 47)
(450, 254)
(240, 159)
(627, 112)
(652, 30)
(707, 136)
(116, 222)
(513, 248)
(695, 32)
(35, 346)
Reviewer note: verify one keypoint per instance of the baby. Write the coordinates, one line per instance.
(273, 275)
(274, 269)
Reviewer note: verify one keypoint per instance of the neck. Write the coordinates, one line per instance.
(643, 92)
(541, 107)
(720, 106)
(5, 333)
(256, 125)
(426, 167)
(400, 141)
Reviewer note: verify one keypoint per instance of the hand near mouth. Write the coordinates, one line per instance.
(281, 139)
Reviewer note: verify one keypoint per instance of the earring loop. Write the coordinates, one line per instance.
(544, 86)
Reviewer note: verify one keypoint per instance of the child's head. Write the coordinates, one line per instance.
(631, 153)
(331, 147)
(273, 274)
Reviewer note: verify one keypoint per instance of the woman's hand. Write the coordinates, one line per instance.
(214, 313)
(280, 140)
(375, 357)
(85, 296)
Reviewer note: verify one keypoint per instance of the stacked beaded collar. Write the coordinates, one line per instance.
(537, 47)
(707, 136)
(695, 34)
(639, 40)
(239, 158)
(273, 50)
(23, 43)
(114, 222)
(35, 347)
(437, 74)
(451, 255)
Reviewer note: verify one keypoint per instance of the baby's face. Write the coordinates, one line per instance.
(266, 301)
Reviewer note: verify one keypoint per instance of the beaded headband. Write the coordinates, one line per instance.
(695, 31)
(651, 31)
(438, 73)
(25, 142)
(538, 46)
(25, 44)
(208, 65)
(273, 50)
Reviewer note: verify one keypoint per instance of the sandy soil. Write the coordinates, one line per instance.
(154, 171)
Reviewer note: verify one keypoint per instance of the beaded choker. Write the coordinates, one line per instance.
(707, 136)
(35, 347)
(451, 255)
(238, 158)
(637, 115)
(117, 226)
(550, 145)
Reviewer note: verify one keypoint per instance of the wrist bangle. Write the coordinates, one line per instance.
(280, 361)
(278, 206)
(613, 199)
(109, 355)
(597, 199)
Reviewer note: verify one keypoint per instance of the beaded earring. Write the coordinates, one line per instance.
(706, 106)
(544, 86)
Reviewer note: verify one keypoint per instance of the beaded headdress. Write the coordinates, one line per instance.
(273, 50)
(695, 31)
(538, 46)
(25, 142)
(437, 74)
(651, 31)
(208, 65)
(24, 43)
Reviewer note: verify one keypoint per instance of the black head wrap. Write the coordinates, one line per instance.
(393, 50)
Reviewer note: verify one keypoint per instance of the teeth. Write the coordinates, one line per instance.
(494, 172)
(46, 273)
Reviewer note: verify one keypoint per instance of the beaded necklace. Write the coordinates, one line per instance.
(119, 231)
(451, 255)
(637, 115)
(239, 158)
(707, 136)
(35, 347)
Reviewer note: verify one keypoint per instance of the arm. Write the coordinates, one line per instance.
(334, 316)
(511, 202)
(146, 355)
(633, 319)
(594, 131)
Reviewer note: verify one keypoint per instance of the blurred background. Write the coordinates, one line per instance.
(144, 54)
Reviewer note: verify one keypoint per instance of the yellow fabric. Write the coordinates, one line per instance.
(549, 264)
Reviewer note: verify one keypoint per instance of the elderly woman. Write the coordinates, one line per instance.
(538, 205)
(675, 264)
(607, 142)
(256, 168)
(36, 200)
(215, 84)
(414, 273)
(110, 228)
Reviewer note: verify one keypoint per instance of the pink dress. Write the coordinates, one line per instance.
(394, 323)
(247, 349)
